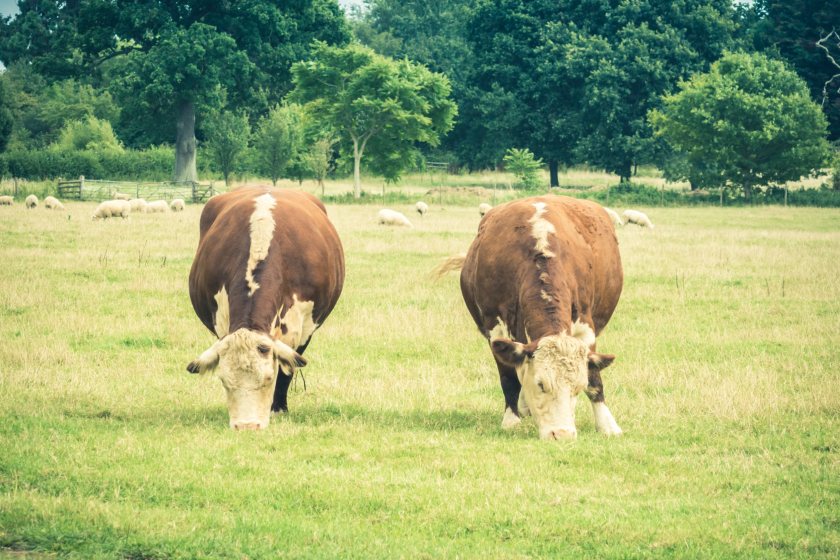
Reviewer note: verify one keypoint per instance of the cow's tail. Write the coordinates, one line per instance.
(455, 262)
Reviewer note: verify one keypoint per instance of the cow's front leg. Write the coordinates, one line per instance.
(604, 421)
(281, 390)
(511, 389)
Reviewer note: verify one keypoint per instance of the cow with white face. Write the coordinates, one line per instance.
(268, 271)
(541, 279)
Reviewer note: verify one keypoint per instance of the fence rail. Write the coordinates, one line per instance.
(91, 189)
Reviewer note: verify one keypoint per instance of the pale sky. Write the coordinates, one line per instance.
(8, 7)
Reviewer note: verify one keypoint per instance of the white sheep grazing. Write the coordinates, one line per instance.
(177, 205)
(616, 219)
(6, 200)
(112, 209)
(31, 201)
(483, 208)
(53, 203)
(121, 196)
(157, 206)
(422, 208)
(138, 205)
(638, 218)
(393, 218)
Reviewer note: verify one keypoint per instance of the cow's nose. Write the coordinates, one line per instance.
(560, 434)
(248, 426)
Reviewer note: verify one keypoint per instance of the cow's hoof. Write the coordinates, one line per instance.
(510, 420)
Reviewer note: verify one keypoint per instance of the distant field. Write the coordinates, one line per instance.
(725, 384)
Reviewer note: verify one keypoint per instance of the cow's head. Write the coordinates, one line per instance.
(553, 371)
(248, 363)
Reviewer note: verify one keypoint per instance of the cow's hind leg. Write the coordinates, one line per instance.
(511, 388)
(604, 421)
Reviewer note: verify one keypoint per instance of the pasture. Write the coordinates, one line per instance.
(725, 385)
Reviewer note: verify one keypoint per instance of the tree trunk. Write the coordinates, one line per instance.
(357, 171)
(185, 169)
(553, 180)
(748, 192)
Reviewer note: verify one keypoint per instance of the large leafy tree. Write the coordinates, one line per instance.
(790, 29)
(574, 80)
(749, 121)
(6, 120)
(172, 61)
(374, 104)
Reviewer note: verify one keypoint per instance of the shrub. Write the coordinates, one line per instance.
(523, 165)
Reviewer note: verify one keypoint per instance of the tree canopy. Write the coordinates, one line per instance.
(374, 103)
(749, 121)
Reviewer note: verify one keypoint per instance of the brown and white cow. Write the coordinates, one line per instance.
(541, 279)
(268, 270)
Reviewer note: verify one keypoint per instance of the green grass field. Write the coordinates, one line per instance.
(726, 385)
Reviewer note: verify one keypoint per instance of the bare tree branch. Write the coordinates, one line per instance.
(821, 45)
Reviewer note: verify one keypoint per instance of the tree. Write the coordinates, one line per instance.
(170, 62)
(279, 139)
(6, 119)
(573, 80)
(372, 101)
(227, 139)
(319, 158)
(749, 119)
(521, 163)
(89, 134)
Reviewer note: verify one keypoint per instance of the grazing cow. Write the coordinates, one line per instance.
(638, 218)
(616, 219)
(422, 208)
(177, 205)
(541, 279)
(392, 218)
(268, 270)
(6, 200)
(31, 201)
(157, 206)
(53, 203)
(483, 208)
(112, 209)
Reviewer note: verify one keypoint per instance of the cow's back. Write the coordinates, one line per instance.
(540, 263)
(303, 257)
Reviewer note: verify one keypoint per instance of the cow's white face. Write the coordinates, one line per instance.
(552, 373)
(247, 362)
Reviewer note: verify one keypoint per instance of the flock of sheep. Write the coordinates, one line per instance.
(390, 217)
(122, 205)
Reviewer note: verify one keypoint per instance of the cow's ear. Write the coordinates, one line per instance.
(600, 361)
(208, 360)
(508, 351)
(289, 359)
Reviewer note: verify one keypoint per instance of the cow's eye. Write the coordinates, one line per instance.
(541, 386)
(264, 349)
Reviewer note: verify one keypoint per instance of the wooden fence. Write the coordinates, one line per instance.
(89, 189)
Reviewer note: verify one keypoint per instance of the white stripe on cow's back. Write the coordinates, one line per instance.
(221, 322)
(298, 323)
(540, 228)
(262, 232)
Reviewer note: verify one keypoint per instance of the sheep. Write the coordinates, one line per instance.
(638, 218)
(121, 196)
(53, 203)
(483, 208)
(6, 200)
(422, 208)
(112, 209)
(138, 205)
(31, 201)
(393, 218)
(177, 205)
(157, 206)
(616, 219)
